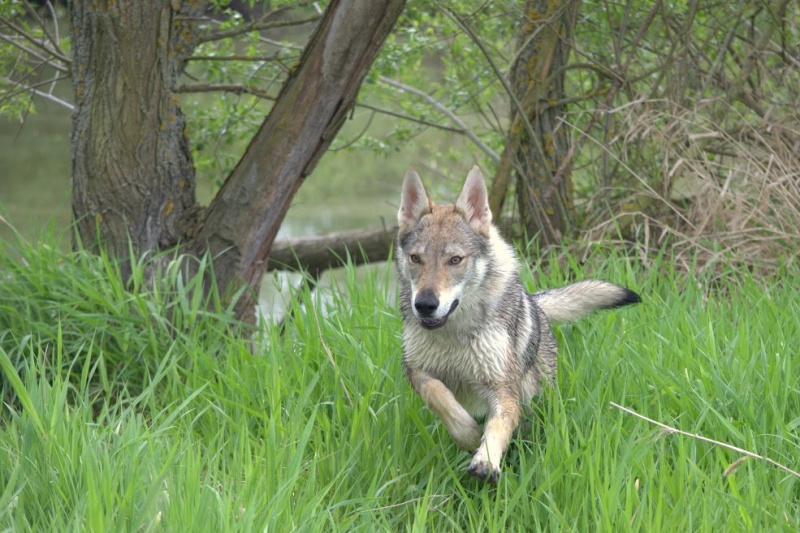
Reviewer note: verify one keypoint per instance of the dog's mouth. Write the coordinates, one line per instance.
(436, 323)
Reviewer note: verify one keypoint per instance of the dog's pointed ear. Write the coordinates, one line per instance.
(473, 201)
(414, 200)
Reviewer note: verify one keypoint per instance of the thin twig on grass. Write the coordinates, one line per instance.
(697, 436)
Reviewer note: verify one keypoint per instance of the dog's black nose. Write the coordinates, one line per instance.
(426, 303)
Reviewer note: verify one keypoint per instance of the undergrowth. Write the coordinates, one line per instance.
(137, 408)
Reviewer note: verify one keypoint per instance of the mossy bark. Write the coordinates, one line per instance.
(132, 174)
(538, 139)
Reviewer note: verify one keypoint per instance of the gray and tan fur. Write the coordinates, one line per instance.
(475, 343)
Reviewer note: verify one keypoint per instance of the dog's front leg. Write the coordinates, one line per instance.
(462, 427)
(503, 420)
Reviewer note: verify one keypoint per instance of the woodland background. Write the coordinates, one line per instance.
(649, 143)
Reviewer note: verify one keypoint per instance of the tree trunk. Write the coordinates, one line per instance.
(133, 177)
(245, 216)
(132, 172)
(538, 141)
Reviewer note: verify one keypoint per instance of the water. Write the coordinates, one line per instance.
(347, 191)
(35, 166)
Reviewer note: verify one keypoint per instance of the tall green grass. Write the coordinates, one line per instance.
(142, 410)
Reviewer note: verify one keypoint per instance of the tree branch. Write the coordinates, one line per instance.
(459, 20)
(249, 89)
(257, 25)
(409, 118)
(235, 88)
(321, 252)
(32, 89)
(616, 85)
(241, 222)
(54, 40)
(444, 110)
(234, 57)
(28, 37)
(34, 53)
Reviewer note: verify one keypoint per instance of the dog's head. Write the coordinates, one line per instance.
(441, 249)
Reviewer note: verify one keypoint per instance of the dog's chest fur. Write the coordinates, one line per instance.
(477, 356)
(470, 354)
(467, 365)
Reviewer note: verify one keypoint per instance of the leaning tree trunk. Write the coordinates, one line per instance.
(245, 216)
(133, 177)
(538, 141)
(132, 173)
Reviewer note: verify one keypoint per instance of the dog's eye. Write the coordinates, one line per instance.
(414, 258)
(455, 260)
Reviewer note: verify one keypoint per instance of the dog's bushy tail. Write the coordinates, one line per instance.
(582, 298)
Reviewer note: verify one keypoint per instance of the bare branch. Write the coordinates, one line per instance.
(33, 53)
(234, 57)
(54, 41)
(706, 439)
(321, 252)
(224, 87)
(32, 89)
(459, 20)
(249, 89)
(257, 25)
(615, 87)
(28, 37)
(447, 112)
(409, 118)
(26, 87)
(57, 40)
(273, 42)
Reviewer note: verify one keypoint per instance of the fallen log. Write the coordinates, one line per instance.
(320, 252)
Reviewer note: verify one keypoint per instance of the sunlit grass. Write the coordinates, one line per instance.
(142, 410)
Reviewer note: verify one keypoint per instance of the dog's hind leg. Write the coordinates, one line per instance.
(503, 420)
(462, 427)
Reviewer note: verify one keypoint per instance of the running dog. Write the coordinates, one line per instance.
(476, 344)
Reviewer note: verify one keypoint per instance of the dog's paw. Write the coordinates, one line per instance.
(466, 433)
(469, 439)
(483, 470)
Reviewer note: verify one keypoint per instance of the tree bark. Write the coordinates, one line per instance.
(133, 177)
(243, 219)
(318, 253)
(132, 172)
(538, 140)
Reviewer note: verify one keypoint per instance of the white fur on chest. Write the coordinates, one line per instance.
(475, 358)
(466, 362)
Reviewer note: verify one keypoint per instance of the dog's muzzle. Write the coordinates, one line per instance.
(426, 303)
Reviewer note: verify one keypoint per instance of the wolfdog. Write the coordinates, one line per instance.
(476, 344)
